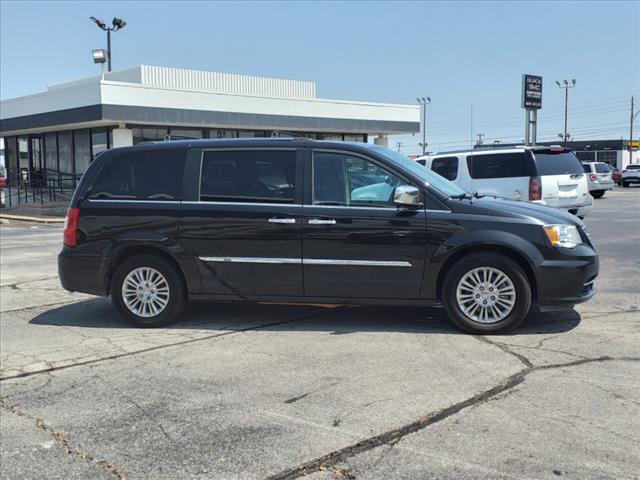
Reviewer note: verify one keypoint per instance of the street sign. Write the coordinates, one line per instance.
(531, 92)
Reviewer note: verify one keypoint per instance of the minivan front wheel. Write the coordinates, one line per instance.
(148, 291)
(486, 293)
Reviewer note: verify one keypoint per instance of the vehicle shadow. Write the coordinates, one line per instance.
(100, 313)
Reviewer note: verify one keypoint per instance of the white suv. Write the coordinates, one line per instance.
(599, 178)
(551, 176)
(630, 175)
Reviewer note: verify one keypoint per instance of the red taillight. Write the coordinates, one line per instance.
(593, 177)
(71, 227)
(535, 189)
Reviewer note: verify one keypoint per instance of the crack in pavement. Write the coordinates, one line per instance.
(393, 436)
(161, 347)
(524, 360)
(63, 441)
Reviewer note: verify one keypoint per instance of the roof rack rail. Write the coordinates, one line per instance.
(169, 137)
(285, 134)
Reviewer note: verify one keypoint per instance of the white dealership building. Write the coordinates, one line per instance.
(58, 132)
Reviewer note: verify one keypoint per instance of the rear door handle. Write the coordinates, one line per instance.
(282, 220)
(321, 221)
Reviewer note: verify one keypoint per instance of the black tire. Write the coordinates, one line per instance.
(499, 262)
(176, 297)
(625, 184)
(597, 194)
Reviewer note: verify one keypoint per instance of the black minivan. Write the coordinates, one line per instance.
(296, 220)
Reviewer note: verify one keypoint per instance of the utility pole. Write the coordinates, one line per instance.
(423, 102)
(399, 144)
(566, 88)
(631, 123)
(471, 126)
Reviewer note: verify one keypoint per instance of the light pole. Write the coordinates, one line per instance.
(423, 102)
(566, 88)
(118, 24)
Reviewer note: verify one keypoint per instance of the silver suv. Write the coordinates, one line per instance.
(599, 178)
(630, 175)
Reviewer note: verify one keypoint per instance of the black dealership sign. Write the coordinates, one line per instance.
(531, 92)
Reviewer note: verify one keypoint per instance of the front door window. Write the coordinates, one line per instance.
(341, 179)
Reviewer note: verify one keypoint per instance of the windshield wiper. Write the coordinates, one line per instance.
(462, 196)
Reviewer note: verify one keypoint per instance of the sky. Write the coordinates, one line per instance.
(457, 53)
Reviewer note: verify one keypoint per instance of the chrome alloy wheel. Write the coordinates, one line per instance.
(145, 292)
(486, 295)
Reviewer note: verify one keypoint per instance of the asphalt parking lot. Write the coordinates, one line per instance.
(278, 391)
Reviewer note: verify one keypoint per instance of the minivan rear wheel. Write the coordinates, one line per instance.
(486, 293)
(597, 194)
(148, 291)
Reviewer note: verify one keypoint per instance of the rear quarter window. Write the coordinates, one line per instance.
(586, 167)
(560, 163)
(446, 167)
(147, 175)
(500, 165)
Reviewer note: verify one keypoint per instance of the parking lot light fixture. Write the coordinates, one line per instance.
(117, 24)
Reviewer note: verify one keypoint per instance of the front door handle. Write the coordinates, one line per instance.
(282, 220)
(322, 221)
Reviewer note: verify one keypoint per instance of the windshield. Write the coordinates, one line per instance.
(558, 163)
(432, 178)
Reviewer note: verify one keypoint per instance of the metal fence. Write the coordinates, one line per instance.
(25, 186)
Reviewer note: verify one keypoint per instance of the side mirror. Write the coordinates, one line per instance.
(407, 196)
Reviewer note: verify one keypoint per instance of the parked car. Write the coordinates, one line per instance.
(615, 175)
(3, 177)
(599, 178)
(630, 175)
(278, 220)
(551, 176)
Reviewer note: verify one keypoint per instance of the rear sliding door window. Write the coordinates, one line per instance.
(261, 176)
(500, 165)
(560, 163)
(446, 167)
(150, 175)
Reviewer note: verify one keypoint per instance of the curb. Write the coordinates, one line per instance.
(26, 218)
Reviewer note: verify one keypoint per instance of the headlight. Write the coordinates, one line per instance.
(563, 235)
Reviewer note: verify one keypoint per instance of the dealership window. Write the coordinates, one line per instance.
(248, 176)
(11, 153)
(446, 167)
(149, 134)
(150, 175)
(23, 153)
(609, 157)
(586, 156)
(99, 141)
(336, 137)
(500, 165)
(185, 133)
(223, 133)
(51, 153)
(252, 133)
(354, 138)
(65, 155)
(82, 150)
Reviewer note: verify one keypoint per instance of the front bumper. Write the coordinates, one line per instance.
(565, 282)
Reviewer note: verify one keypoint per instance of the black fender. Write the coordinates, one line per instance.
(464, 242)
(138, 241)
